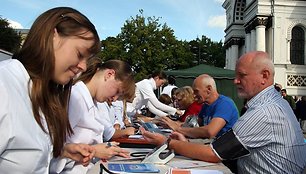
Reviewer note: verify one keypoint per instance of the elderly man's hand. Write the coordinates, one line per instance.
(153, 138)
(178, 136)
(81, 153)
(170, 123)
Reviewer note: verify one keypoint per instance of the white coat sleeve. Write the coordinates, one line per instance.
(155, 111)
(57, 165)
(76, 108)
(108, 133)
(75, 113)
(149, 94)
(130, 110)
(6, 125)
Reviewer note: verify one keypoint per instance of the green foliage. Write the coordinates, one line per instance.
(148, 45)
(9, 39)
(208, 52)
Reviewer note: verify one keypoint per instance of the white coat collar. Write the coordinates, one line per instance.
(86, 94)
(153, 83)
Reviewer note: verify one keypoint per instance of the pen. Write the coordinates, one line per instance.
(101, 168)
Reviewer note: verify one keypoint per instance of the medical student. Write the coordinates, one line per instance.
(34, 89)
(100, 82)
(120, 119)
(145, 96)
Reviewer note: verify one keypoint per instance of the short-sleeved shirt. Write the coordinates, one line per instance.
(224, 108)
(270, 131)
(192, 109)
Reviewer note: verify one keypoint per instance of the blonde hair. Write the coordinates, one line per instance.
(186, 95)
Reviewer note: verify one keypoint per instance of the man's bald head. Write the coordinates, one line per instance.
(254, 72)
(205, 80)
(257, 60)
(205, 90)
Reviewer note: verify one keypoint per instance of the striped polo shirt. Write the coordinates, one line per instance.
(270, 131)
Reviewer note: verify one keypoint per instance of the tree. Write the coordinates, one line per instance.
(147, 46)
(208, 52)
(9, 39)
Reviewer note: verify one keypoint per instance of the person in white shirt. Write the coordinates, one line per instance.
(145, 96)
(121, 119)
(35, 87)
(171, 84)
(109, 121)
(118, 107)
(99, 83)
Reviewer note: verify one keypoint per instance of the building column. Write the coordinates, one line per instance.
(261, 34)
(234, 57)
(232, 51)
(260, 38)
(253, 40)
(247, 42)
(229, 60)
(227, 55)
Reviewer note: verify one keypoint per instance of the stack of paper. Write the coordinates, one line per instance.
(186, 164)
(136, 137)
(192, 171)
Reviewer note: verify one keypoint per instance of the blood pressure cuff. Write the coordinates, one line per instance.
(229, 147)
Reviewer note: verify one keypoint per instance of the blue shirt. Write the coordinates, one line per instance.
(270, 131)
(224, 108)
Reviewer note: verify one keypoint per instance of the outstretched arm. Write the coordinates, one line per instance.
(191, 150)
(207, 131)
(194, 151)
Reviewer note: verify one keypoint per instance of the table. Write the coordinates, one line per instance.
(163, 168)
(126, 142)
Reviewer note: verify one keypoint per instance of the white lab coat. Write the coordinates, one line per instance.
(168, 89)
(86, 123)
(107, 119)
(118, 110)
(24, 146)
(145, 96)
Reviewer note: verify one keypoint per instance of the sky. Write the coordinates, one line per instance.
(188, 18)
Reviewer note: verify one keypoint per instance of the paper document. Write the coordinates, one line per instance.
(135, 136)
(186, 164)
(193, 171)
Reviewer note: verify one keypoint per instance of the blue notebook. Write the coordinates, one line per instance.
(133, 167)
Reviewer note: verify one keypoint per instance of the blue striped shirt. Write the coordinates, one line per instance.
(271, 133)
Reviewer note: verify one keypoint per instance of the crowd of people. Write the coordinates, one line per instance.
(61, 104)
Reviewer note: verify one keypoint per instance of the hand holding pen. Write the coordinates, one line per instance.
(109, 149)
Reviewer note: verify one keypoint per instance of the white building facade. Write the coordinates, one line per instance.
(275, 26)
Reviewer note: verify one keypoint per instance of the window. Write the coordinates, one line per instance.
(297, 46)
(239, 9)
